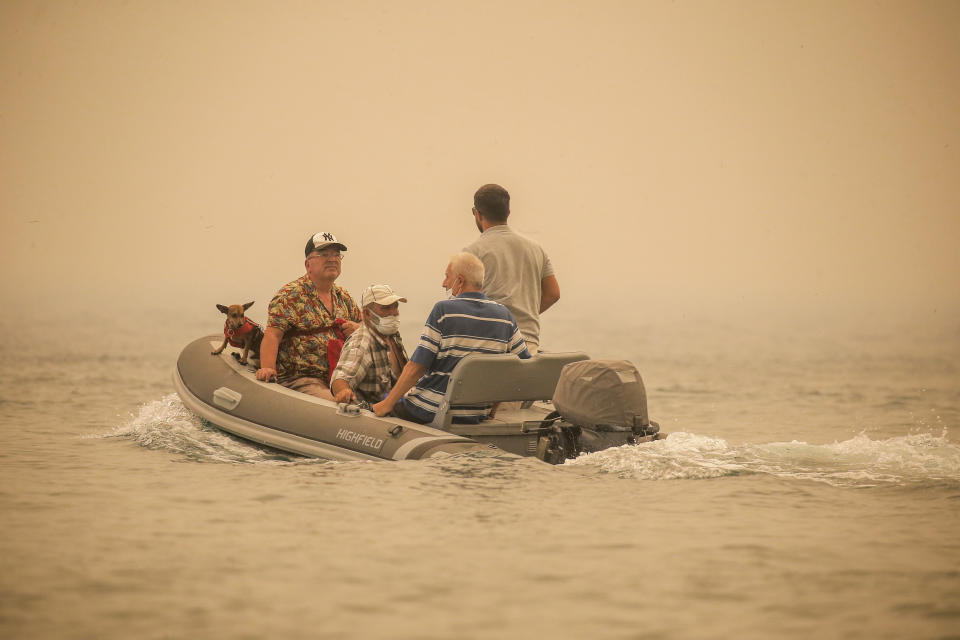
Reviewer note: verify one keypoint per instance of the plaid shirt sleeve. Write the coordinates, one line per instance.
(354, 361)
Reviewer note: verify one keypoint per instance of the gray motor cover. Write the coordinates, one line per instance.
(601, 392)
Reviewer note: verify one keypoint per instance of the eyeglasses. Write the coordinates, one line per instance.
(326, 255)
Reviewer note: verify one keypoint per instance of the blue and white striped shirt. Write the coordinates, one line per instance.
(470, 323)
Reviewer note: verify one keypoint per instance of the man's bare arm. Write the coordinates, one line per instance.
(408, 377)
(268, 354)
(549, 292)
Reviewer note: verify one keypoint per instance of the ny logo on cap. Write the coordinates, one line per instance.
(328, 236)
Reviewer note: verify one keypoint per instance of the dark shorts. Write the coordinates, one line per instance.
(405, 411)
(402, 410)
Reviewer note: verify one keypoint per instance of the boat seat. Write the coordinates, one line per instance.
(486, 378)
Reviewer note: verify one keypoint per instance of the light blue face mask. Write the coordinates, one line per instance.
(388, 325)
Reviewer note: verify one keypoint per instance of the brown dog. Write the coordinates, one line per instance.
(240, 332)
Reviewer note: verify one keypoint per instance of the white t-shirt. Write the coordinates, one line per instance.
(513, 266)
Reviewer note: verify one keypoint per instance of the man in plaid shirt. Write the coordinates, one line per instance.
(373, 356)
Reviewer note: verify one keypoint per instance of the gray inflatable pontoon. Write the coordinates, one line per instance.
(227, 394)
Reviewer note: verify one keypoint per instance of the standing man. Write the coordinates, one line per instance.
(518, 272)
(373, 356)
(308, 320)
(470, 323)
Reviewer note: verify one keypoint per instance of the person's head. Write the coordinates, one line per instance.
(323, 256)
(381, 308)
(464, 273)
(491, 203)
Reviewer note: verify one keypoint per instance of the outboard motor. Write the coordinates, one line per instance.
(604, 404)
(558, 441)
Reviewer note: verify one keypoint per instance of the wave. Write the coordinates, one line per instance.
(914, 459)
(168, 425)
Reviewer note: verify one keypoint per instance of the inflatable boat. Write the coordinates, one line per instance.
(226, 393)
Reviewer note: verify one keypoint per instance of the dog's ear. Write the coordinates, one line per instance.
(223, 309)
(248, 305)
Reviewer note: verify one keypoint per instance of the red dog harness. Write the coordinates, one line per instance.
(235, 336)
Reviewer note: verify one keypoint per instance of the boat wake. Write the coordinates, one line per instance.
(916, 459)
(859, 462)
(167, 424)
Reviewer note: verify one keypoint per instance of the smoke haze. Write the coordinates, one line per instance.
(723, 158)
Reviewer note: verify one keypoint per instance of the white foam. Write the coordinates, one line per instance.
(860, 461)
(167, 424)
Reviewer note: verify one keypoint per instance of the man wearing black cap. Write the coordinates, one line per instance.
(308, 320)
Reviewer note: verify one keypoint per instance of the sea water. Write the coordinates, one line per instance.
(809, 487)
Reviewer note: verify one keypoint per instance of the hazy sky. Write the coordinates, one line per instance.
(669, 155)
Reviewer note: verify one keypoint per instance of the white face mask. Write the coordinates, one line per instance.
(450, 293)
(387, 326)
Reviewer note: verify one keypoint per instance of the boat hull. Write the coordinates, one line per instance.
(227, 394)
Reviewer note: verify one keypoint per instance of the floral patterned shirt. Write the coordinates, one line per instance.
(307, 327)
